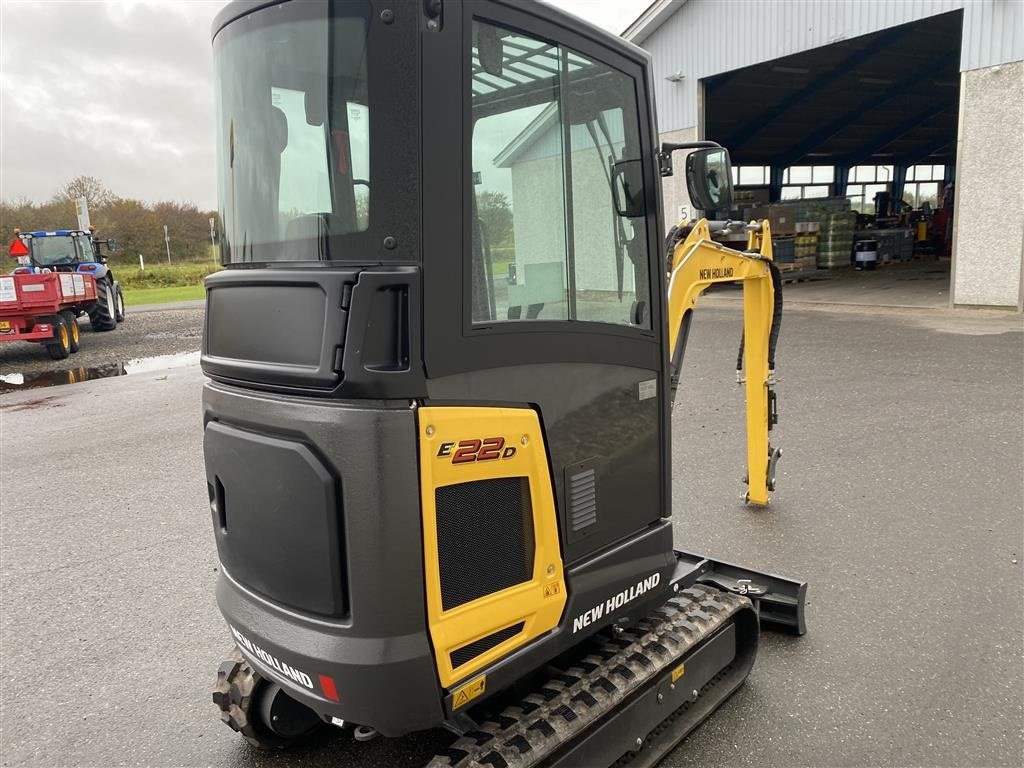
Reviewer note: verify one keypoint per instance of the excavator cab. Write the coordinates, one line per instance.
(440, 363)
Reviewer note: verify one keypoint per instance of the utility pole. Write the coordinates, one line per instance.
(213, 240)
(167, 244)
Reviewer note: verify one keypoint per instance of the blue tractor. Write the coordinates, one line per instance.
(76, 250)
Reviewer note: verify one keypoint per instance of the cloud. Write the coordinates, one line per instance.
(118, 90)
(123, 90)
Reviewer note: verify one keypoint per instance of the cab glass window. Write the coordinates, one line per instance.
(611, 282)
(519, 254)
(293, 131)
(555, 134)
(85, 252)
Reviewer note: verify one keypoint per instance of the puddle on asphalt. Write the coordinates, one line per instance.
(16, 382)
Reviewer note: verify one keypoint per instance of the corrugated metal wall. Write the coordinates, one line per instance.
(708, 37)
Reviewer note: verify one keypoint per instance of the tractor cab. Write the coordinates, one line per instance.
(61, 250)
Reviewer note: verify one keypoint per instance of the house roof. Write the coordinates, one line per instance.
(510, 155)
(652, 18)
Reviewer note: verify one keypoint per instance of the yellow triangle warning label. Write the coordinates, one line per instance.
(552, 589)
(462, 696)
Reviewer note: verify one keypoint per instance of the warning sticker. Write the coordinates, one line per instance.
(678, 672)
(468, 692)
(79, 285)
(552, 589)
(67, 284)
(7, 292)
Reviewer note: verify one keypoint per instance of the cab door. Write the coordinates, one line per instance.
(541, 249)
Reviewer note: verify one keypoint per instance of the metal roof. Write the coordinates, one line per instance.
(524, 62)
(888, 97)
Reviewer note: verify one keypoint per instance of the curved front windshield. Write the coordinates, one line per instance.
(293, 130)
(56, 250)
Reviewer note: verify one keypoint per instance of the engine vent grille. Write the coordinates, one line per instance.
(582, 499)
(469, 652)
(485, 539)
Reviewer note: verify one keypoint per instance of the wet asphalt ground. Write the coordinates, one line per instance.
(148, 332)
(899, 500)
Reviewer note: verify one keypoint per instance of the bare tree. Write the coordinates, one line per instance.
(89, 187)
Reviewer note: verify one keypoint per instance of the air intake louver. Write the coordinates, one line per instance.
(469, 652)
(582, 499)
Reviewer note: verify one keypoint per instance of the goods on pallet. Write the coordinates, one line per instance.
(893, 244)
(783, 250)
(836, 239)
(801, 265)
(793, 217)
(807, 244)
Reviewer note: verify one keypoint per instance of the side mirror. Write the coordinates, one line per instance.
(628, 188)
(111, 244)
(709, 179)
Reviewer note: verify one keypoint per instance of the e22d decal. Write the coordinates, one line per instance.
(472, 449)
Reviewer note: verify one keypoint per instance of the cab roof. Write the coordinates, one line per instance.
(56, 233)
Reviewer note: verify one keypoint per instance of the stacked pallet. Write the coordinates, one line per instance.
(836, 242)
(813, 224)
(783, 252)
(807, 234)
(893, 244)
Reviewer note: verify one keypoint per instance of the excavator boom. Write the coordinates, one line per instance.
(697, 262)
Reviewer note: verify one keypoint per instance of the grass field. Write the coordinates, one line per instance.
(137, 296)
(162, 275)
(162, 283)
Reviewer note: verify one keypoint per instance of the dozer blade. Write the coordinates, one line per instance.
(631, 698)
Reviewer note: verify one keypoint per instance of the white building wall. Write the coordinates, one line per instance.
(988, 245)
(703, 38)
(675, 198)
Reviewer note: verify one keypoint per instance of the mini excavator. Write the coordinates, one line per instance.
(441, 361)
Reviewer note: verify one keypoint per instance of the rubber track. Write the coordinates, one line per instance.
(561, 709)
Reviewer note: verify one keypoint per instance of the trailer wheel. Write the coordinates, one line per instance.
(119, 303)
(102, 313)
(73, 333)
(60, 347)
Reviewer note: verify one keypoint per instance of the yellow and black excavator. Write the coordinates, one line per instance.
(441, 361)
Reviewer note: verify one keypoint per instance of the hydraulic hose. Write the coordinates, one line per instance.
(773, 336)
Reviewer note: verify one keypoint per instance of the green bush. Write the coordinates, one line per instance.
(163, 275)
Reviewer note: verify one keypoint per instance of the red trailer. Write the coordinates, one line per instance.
(60, 275)
(44, 308)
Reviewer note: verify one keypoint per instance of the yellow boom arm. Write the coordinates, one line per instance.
(697, 262)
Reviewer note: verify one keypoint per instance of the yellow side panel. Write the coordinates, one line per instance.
(461, 445)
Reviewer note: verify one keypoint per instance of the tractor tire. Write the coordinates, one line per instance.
(103, 313)
(60, 347)
(119, 303)
(237, 696)
(74, 336)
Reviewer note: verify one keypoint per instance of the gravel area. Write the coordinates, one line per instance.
(144, 334)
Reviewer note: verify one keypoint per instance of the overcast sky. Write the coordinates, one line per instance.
(122, 90)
